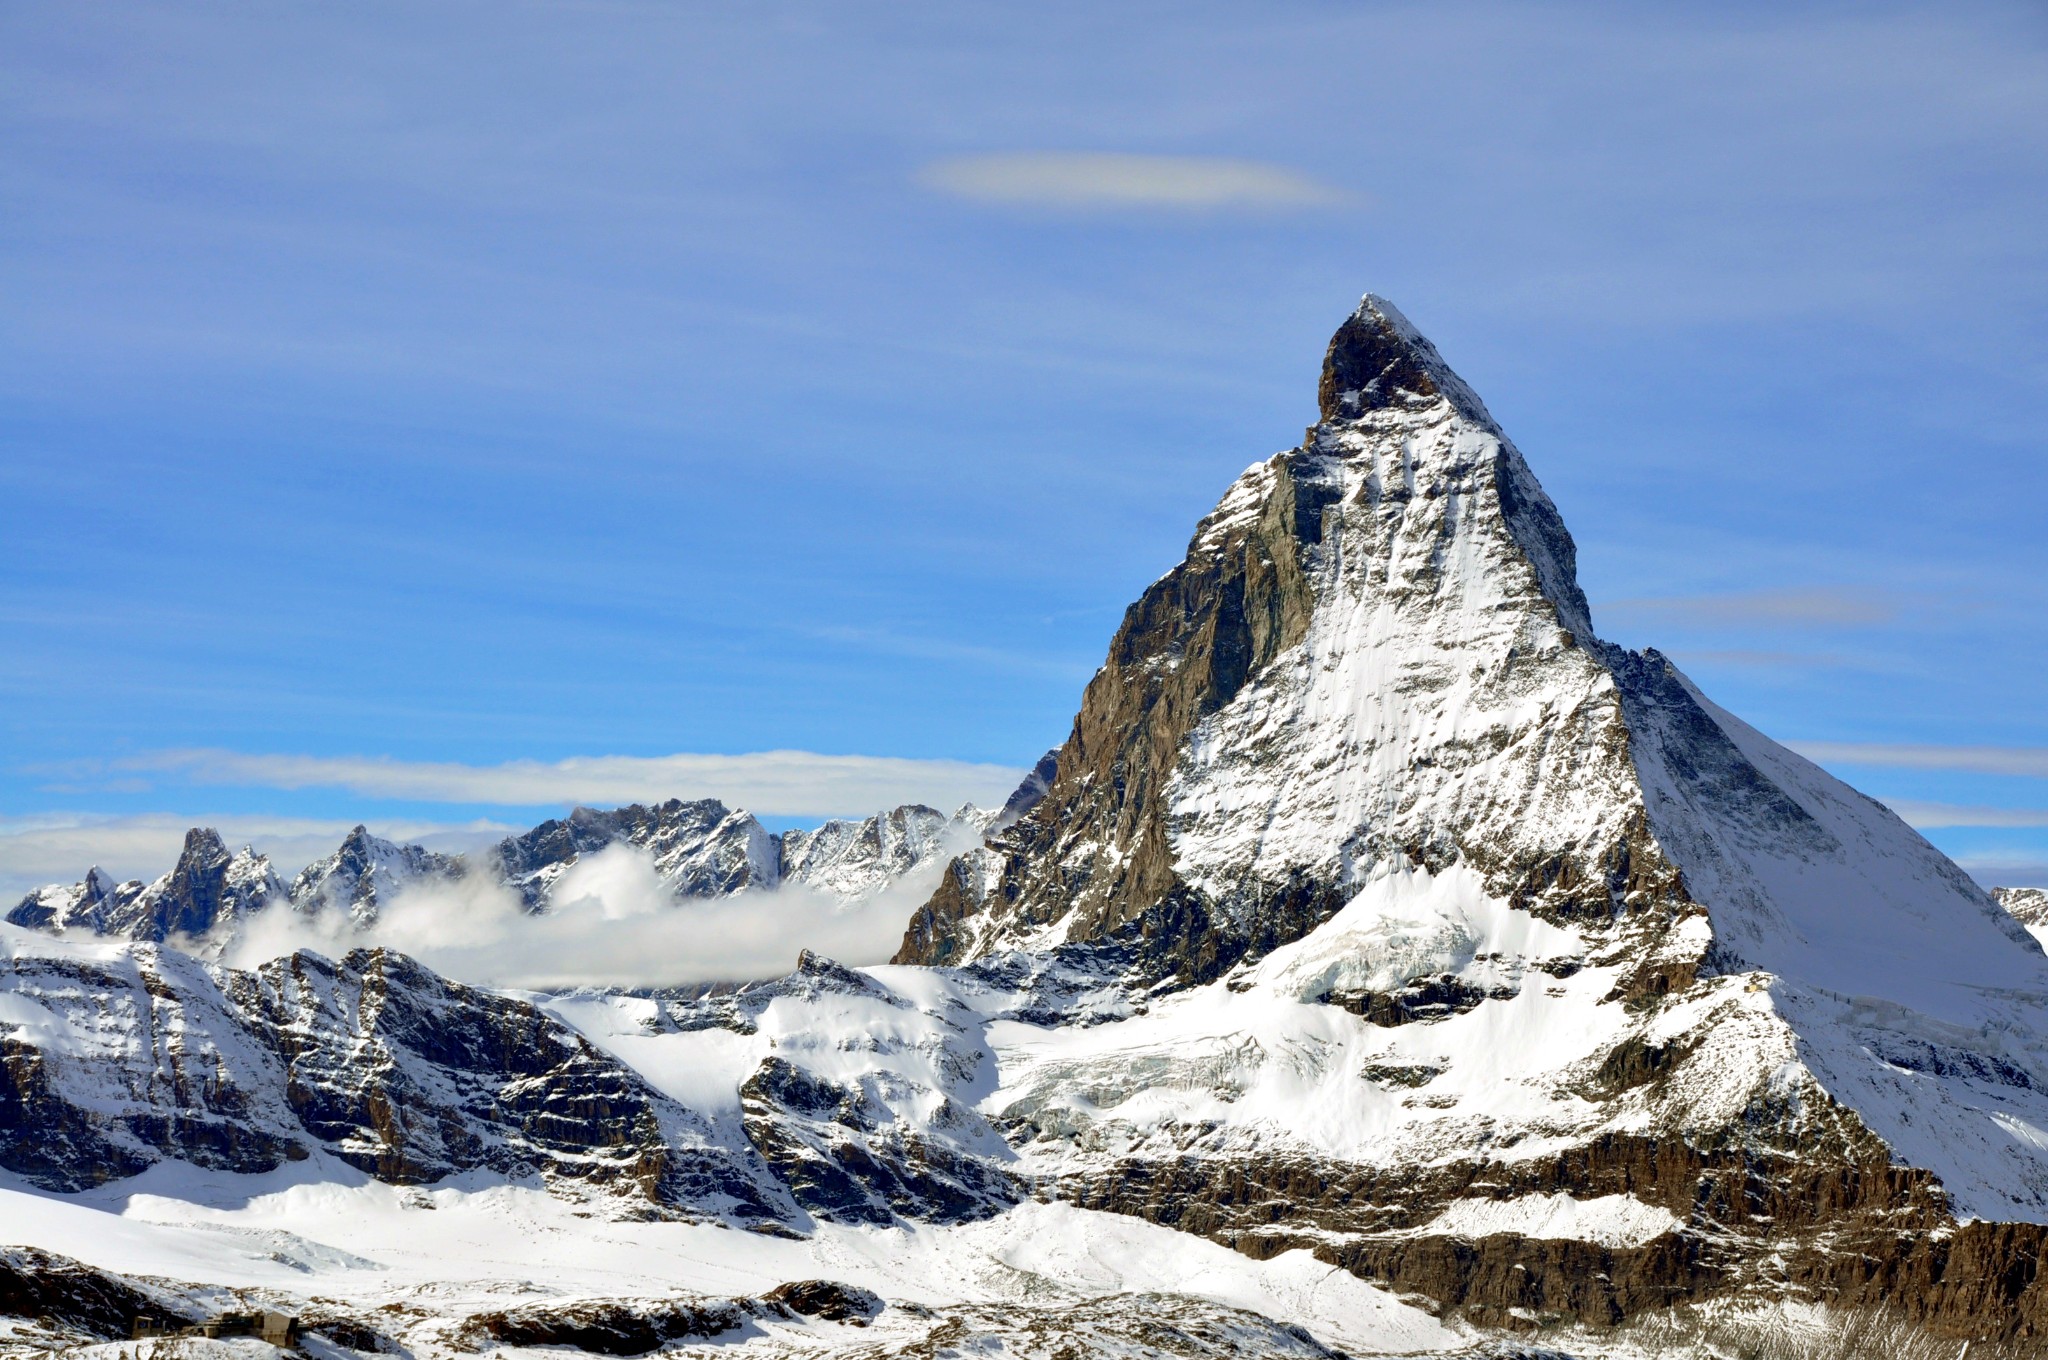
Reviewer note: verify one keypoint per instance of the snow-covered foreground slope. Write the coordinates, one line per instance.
(417, 1264)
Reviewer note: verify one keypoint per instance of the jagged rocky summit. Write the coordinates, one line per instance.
(697, 849)
(207, 887)
(1375, 913)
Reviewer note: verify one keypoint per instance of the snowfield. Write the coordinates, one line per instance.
(431, 1254)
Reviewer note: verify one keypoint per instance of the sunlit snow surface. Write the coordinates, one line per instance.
(321, 1228)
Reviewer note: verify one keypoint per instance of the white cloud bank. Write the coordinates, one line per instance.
(1098, 179)
(776, 783)
(612, 923)
(1997, 869)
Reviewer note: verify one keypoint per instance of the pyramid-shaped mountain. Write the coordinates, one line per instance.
(1363, 749)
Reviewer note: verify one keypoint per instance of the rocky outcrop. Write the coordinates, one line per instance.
(828, 1301)
(148, 1054)
(89, 1304)
(610, 1326)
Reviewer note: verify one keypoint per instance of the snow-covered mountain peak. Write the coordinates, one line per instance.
(364, 873)
(1379, 361)
(2028, 906)
(1362, 748)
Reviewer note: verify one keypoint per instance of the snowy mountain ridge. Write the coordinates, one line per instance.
(699, 850)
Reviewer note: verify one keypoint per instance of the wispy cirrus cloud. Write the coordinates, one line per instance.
(1927, 815)
(1100, 179)
(1829, 606)
(778, 783)
(2007, 869)
(2028, 761)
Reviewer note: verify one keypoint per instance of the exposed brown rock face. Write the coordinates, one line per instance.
(1183, 650)
(41, 1284)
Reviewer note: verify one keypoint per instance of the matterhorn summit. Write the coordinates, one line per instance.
(1363, 749)
(1384, 964)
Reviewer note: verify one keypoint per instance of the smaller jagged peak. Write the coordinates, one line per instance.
(1378, 361)
(203, 846)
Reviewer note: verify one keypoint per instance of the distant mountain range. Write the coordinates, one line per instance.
(699, 849)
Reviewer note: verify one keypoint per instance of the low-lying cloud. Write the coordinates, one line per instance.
(611, 923)
(1098, 179)
(2007, 868)
(777, 783)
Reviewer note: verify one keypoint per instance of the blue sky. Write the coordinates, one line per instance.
(399, 400)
